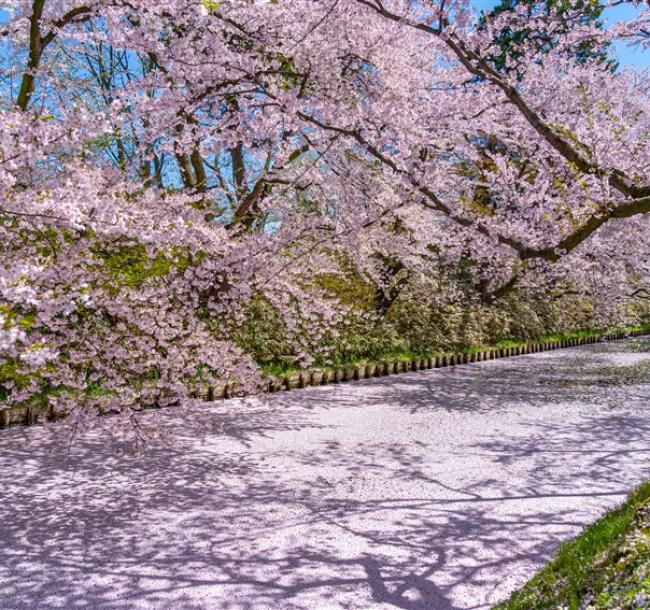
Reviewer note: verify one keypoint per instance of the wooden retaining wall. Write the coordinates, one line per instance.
(28, 416)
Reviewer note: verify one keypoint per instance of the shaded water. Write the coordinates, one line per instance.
(437, 490)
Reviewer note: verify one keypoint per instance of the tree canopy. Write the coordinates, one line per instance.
(163, 165)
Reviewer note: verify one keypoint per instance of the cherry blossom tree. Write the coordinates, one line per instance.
(162, 165)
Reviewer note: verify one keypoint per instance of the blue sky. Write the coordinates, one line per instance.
(626, 56)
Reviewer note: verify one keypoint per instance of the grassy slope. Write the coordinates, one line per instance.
(606, 567)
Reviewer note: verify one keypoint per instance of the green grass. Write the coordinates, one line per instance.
(605, 567)
(278, 369)
(577, 334)
(281, 368)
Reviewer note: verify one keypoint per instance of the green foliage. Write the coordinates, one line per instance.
(349, 288)
(131, 266)
(11, 375)
(364, 342)
(263, 335)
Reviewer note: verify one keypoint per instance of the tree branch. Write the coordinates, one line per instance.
(478, 67)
